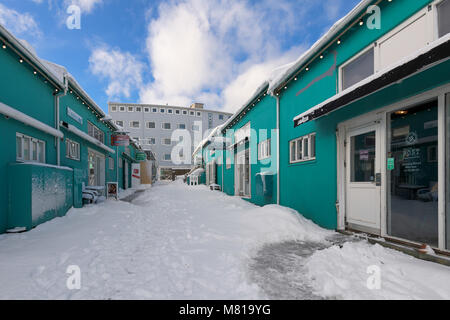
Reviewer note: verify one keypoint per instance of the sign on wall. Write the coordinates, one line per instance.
(75, 116)
(141, 156)
(113, 190)
(120, 140)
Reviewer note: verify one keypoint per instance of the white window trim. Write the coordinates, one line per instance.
(169, 111)
(162, 125)
(128, 109)
(433, 34)
(185, 113)
(148, 110)
(113, 108)
(111, 167)
(133, 127)
(304, 159)
(164, 157)
(267, 144)
(147, 125)
(163, 142)
(177, 111)
(22, 159)
(149, 143)
(179, 126)
(68, 156)
(162, 110)
(198, 114)
(138, 108)
(154, 110)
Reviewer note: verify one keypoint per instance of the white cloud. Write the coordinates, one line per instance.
(18, 23)
(122, 70)
(219, 51)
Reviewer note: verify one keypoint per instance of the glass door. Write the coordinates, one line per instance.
(413, 174)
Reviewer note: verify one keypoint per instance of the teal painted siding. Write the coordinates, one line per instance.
(311, 187)
(28, 93)
(261, 117)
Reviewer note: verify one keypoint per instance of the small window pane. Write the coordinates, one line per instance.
(292, 151)
(363, 157)
(34, 151)
(19, 154)
(26, 148)
(444, 18)
(305, 148)
(299, 149)
(41, 153)
(313, 146)
(359, 69)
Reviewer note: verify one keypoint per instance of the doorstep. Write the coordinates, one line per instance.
(406, 247)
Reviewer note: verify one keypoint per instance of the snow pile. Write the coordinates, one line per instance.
(343, 273)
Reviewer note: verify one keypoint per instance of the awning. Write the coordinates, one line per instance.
(32, 122)
(128, 157)
(85, 136)
(432, 54)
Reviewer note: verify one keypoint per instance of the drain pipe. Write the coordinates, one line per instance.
(278, 149)
(57, 116)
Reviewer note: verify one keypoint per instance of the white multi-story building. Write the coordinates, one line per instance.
(153, 126)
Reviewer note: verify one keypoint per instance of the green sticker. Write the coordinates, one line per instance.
(391, 164)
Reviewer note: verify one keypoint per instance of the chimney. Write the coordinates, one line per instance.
(197, 106)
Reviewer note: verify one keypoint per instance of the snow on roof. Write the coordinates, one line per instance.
(208, 138)
(28, 51)
(197, 172)
(332, 32)
(377, 75)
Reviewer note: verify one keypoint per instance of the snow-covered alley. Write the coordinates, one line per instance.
(180, 242)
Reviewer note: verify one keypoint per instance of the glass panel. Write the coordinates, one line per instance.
(41, 152)
(447, 157)
(359, 69)
(363, 157)
(26, 149)
(35, 151)
(413, 178)
(19, 147)
(299, 149)
(292, 151)
(444, 18)
(306, 148)
(313, 146)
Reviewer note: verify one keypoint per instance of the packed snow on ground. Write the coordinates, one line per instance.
(180, 242)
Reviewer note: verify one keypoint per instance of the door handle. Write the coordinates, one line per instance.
(378, 179)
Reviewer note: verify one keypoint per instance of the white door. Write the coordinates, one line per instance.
(242, 176)
(363, 178)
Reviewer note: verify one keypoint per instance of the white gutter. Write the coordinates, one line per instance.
(87, 137)
(22, 117)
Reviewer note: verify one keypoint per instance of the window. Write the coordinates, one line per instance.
(154, 110)
(220, 116)
(264, 150)
(228, 162)
(122, 109)
(151, 125)
(443, 10)
(167, 157)
(303, 149)
(182, 126)
(113, 109)
(358, 69)
(130, 109)
(29, 149)
(134, 124)
(119, 123)
(195, 128)
(166, 141)
(199, 114)
(185, 112)
(146, 110)
(72, 150)
(177, 111)
(138, 109)
(151, 141)
(162, 110)
(192, 113)
(111, 163)
(96, 133)
(169, 111)
(166, 126)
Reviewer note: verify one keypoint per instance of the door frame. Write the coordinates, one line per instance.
(382, 113)
(101, 172)
(236, 174)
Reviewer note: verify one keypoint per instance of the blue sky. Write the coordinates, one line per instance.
(176, 52)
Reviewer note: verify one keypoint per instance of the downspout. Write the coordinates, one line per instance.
(278, 149)
(57, 124)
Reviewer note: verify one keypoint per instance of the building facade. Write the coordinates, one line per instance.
(57, 140)
(363, 119)
(154, 126)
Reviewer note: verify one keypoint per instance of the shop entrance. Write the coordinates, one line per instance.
(96, 164)
(242, 174)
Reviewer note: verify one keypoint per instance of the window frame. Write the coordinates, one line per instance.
(96, 129)
(31, 140)
(182, 124)
(309, 148)
(113, 108)
(163, 123)
(133, 127)
(130, 109)
(266, 147)
(148, 125)
(163, 142)
(353, 59)
(68, 150)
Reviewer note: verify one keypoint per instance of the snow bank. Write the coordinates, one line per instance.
(342, 273)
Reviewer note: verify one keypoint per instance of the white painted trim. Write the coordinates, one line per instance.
(87, 137)
(32, 122)
(352, 59)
